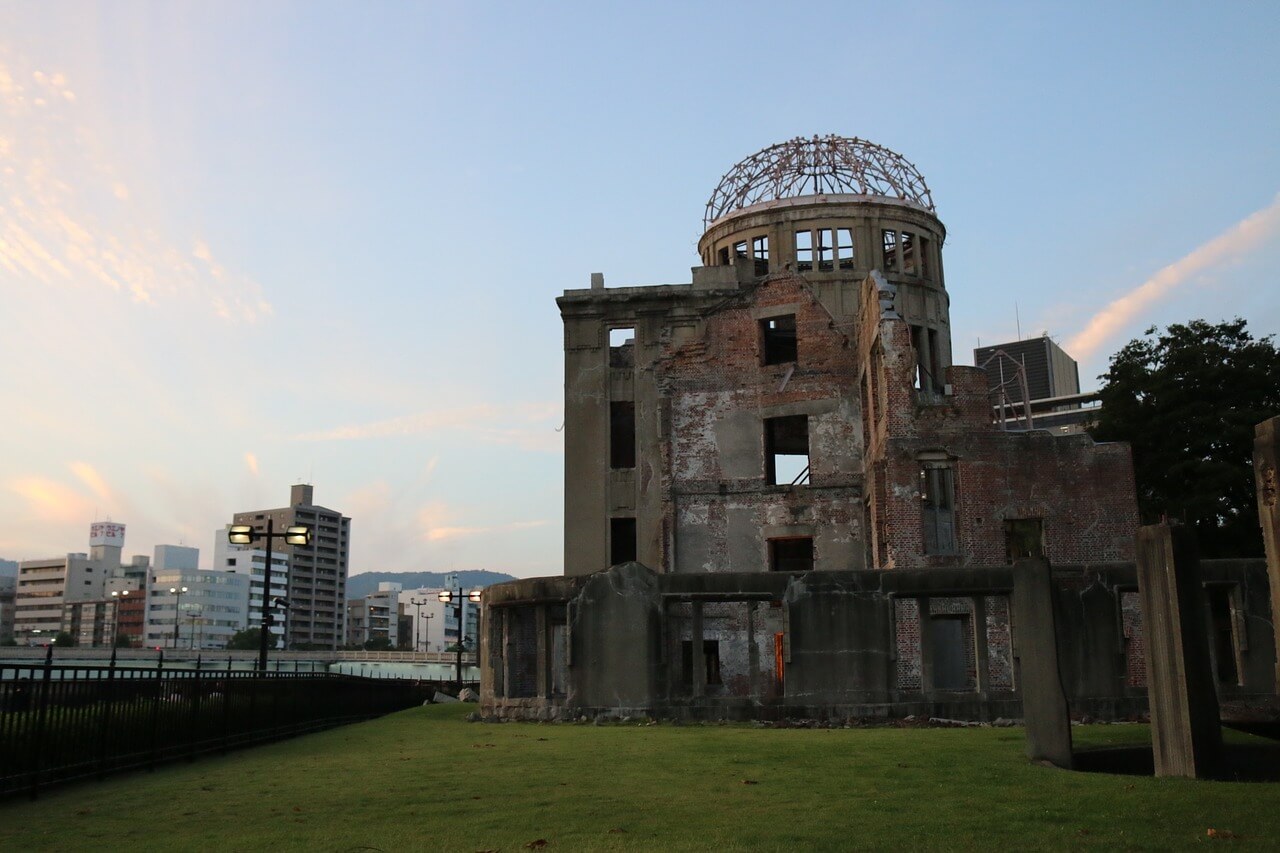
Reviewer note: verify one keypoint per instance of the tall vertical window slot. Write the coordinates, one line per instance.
(778, 339)
(924, 257)
(889, 240)
(825, 250)
(622, 347)
(622, 540)
(786, 450)
(804, 251)
(844, 248)
(622, 434)
(760, 251)
(938, 502)
(909, 253)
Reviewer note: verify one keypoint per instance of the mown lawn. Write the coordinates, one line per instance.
(427, 780)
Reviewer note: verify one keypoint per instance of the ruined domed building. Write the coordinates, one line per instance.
(782, 498)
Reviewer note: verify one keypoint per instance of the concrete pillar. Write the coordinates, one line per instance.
(544, 652)
(980, 643)
(1045, 710)
(1186, 733)
(699, 662)
(1266, 470)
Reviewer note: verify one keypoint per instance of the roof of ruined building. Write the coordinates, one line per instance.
(823, 165)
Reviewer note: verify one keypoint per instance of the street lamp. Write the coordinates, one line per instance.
(246, 534)
(418, 617)
(426, 646)
(455, 597)
(117, 596)
(177, 611)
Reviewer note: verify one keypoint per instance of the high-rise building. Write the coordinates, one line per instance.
(317, 571)
(46, 586)
(1050, 371)
(189, 608)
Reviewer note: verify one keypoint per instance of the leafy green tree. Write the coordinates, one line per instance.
(1187, 400)
(123, 641)
(250, 640)
(378, 644)
(64, 640)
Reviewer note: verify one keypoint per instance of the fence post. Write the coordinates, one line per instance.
(41, 712)
(156, 699)
(104, 727)
(193, 727)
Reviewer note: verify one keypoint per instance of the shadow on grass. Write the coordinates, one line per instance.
(1240, 762)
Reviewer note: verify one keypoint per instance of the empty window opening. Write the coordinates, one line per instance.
(740, 249)
(1222, 623)
(622, 347)
(622, 540)
(710, 660)
(908, 252)
(622, 435)
(825, 249)
(760, 251)
(924, 257)
(804, 251)
(1023, 537)
(951, 647)
(724, 256)
(844, 248)
(889, 239)
(937, 494)
(791, 555)
(778, 335)
(786, 450)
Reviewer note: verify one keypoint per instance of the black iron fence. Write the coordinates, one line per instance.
(65, 722)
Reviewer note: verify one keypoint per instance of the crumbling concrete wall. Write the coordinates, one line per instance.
(939, 641)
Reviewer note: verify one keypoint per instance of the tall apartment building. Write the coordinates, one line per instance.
(317, 571)
(213, 608)
(1050, 371)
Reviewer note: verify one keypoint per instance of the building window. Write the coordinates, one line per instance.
(844, 248)
(1223, 639)
(909, 253)
(924, 257)
(786, 450)
(622, 435)
(1023, 537)
(778, 339)
(760, 251)
(825, 249)
(938, 495)
(889, 240)
(740, 249)
(622, 540)
(622, 348)
(791, 555)
(804, 251)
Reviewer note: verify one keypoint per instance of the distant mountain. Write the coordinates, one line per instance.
(358, 586)
(8, 569)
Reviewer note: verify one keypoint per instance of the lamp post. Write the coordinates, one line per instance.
(117, 596)
(417, 618)
(455, 597)
(247, 534)
(177, 612)
(426, 646)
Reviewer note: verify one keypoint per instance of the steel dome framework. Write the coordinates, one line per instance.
(818, 166)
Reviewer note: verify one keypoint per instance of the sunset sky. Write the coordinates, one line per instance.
(244, 245)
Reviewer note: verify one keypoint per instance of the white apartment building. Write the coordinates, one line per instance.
(434, 624)
(193, 609)
(252, 562)
(46, 586)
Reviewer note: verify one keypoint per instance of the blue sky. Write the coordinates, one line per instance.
(244, 245)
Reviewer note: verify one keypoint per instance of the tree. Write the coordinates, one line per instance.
(64, 640)
(1187, 400)
(250, 640)
(377, 644)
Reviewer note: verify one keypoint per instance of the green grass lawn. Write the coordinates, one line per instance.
(427, 780)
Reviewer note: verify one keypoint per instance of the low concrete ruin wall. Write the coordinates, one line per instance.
(928, 642)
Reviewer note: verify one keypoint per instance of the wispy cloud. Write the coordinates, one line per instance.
(438, 522)
(251, 462)
(89, 475)
(50, 501)
(509, 425)
(66, 215)
(1239, 240)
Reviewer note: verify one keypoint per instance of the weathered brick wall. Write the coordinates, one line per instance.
(1083, 492)
(717, 393)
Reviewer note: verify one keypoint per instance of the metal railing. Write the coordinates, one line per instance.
(64, 722)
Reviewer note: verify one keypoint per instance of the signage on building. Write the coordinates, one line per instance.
(106, 533)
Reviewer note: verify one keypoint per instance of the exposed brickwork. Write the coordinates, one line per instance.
(1083, 493)
(999, 643)
(1135, 653)
(907, 666)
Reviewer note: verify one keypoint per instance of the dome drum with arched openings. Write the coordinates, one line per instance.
(821, 165)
